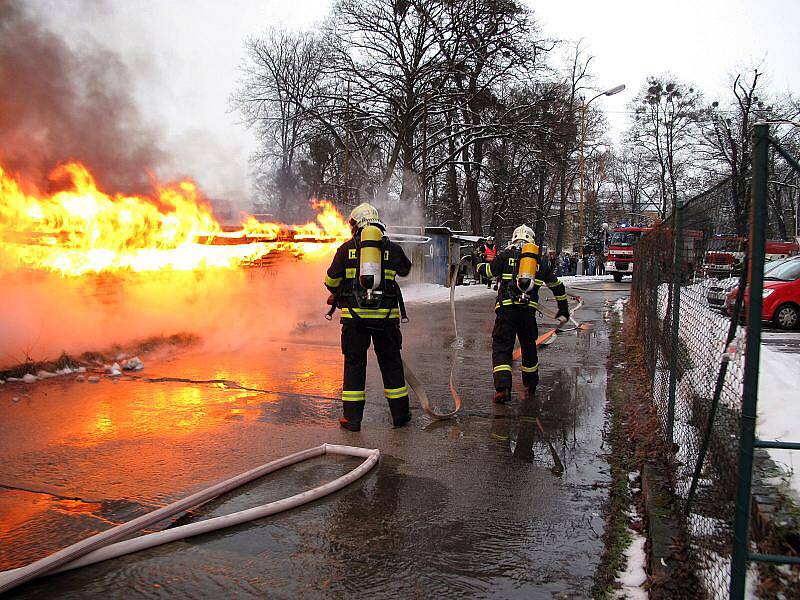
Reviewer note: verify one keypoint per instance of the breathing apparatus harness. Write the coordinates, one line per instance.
(526, 265)
(369, 288)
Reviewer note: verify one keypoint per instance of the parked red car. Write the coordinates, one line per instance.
(781, 295)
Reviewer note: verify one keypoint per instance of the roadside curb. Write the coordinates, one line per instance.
(662, 526)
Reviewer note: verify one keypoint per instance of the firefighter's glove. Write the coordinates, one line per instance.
(331, 300)
(562, 316)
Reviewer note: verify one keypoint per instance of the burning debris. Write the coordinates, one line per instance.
(81, 229)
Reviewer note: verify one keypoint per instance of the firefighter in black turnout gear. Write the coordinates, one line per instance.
(522, 272)
(362, 283)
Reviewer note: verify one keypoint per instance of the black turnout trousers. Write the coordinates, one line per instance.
(513, 322)
(356, 338)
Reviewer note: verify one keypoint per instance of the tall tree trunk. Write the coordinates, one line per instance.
(471, 188)
(409, 192)
(562, 209)
(452, 178)
(540, 207)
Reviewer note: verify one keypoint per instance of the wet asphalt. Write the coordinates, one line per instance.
(467, 507)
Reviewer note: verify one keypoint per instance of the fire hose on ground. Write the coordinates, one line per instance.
(101, 546)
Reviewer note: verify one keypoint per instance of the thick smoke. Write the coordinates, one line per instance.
(57, 104)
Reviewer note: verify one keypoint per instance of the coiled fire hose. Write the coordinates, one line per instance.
(101, 547)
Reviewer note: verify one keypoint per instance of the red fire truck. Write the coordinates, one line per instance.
(620, 250)
(725, 254)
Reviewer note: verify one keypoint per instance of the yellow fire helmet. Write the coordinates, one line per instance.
(365, 214)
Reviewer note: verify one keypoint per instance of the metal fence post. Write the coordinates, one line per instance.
(756, 246)
(676, 321)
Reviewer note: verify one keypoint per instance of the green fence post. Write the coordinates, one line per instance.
(756, 243)
(676, 320)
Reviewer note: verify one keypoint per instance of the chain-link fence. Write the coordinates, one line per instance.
(689, 294)
(687, 272)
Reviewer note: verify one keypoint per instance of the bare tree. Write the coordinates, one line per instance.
(667, 113)
(280, 77)
(633, 180)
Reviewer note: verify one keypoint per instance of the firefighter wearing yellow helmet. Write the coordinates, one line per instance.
(362, 282)
(522, 271)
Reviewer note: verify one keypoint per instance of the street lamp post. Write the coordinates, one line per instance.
(584, 106)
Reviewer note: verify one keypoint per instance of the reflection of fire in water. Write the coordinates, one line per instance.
(81, 229)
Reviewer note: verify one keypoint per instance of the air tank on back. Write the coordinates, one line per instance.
(370, 264)
(528, 265)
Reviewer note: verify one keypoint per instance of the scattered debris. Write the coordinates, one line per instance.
(94, 379)
(28, 378)
(133, 364)
(67, 364)
(114, 370)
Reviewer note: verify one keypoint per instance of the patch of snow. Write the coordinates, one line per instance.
(431, 293)
(778, 408)
(64, 371)
(14, 379)
(93, 379)
(619, 305)
(114, 370)
(80, 378)
(631, 580)
(42, 374)
(80, 370)
(28, 378)
(634, 576)
(703, 332)
(566, 279)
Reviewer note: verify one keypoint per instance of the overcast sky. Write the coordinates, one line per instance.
(184, 56)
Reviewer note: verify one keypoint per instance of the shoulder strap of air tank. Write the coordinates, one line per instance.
(400, 303)
(517, 254)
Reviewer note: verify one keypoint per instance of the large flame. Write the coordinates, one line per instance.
(82, 229)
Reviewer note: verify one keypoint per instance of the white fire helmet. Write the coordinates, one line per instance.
(365, 214)
(523, 233)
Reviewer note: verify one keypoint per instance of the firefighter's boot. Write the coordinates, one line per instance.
(349, 425)
(400, 412)
(502, 396)
(352, 412)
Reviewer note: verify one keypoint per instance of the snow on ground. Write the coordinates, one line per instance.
(431, 293)
(778, 407)
(703, 331)
(634, 577)
(570, 279)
